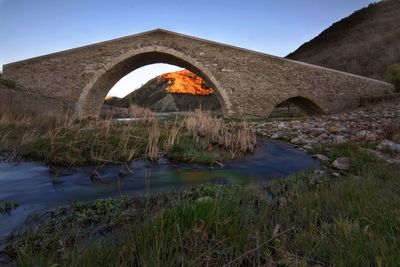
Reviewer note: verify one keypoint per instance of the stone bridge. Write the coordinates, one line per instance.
(247, 83)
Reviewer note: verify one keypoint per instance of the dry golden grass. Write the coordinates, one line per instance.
(173, 135)
(234, 138)
(136, 111)
(61, 140)
(152, 149)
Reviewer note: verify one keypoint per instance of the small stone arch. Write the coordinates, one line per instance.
(94, 92)
(307, 105)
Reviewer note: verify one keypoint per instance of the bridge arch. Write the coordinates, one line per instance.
(94, 92)
(308, 105)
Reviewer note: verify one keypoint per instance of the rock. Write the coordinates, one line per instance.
(297, 141)
(281, 125)
(366, 135)
(340, 139)
(321, 157)
(276, 136)
(383, 157)
(389, 145)
(307, 147)
(342, 163)
(320, 130)
(336, 174)
(335, 129)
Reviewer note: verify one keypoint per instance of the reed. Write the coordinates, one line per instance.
(62, 140)
(234, 138)
(152, 149)
(173, 135)
(143, 113)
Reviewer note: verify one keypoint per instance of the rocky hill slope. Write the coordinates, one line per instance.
(170, 92)
(364, 43)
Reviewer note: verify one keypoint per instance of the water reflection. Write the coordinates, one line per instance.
(36, 187)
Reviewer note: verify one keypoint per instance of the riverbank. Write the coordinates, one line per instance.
(344, 214)
(375, 127)
(371, 123)
(197, 137)
(312, 218)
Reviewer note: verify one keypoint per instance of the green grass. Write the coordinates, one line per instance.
(306, 219)
(186, 150)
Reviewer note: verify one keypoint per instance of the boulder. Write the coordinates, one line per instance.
(389, 145)
(340, 139)
(342, 163)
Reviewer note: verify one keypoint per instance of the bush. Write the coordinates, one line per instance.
(8, 83)
(393, 75)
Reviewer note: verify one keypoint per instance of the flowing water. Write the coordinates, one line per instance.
(37, 188)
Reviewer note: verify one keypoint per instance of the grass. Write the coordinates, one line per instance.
(62, 141)
(308, 219)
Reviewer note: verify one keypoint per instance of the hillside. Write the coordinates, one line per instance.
(364, 43)
(170, 92)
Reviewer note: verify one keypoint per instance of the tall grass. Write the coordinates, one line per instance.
(152, 149)
(234, 138)
(173, 135)
(61, 140)
(143, 113)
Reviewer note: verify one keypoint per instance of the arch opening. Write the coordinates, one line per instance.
(297, 106)
(95, 91)
(161, 88)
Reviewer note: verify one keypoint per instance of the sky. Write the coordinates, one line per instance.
(30, 28)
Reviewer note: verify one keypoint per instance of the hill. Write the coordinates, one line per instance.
(364, 43)
(175, 91)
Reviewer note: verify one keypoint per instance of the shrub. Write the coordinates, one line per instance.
(8, 83)
(393, 75)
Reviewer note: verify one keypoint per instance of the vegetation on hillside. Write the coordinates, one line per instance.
(393, 76)
(364, 43)
(309, 219)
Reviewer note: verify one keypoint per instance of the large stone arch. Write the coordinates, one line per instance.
(94, 92)
(248, 83)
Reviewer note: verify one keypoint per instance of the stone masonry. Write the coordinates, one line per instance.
(248, 83)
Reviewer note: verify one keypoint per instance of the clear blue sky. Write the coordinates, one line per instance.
(31, 28)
